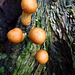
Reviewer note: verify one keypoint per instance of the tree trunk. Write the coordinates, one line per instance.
(57, 19)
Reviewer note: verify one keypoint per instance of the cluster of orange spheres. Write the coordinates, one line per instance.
(37, 35)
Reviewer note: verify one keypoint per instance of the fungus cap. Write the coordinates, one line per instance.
(29, 6)
(42, 56)
(37, 35)
(15, 35)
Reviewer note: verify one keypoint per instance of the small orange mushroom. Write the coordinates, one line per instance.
(15, 35)
(37, 35)
(42, 56)
(28, 7)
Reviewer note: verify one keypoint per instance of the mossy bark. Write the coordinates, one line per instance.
(54, 18)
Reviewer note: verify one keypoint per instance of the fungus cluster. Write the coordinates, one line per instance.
(37, 35)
